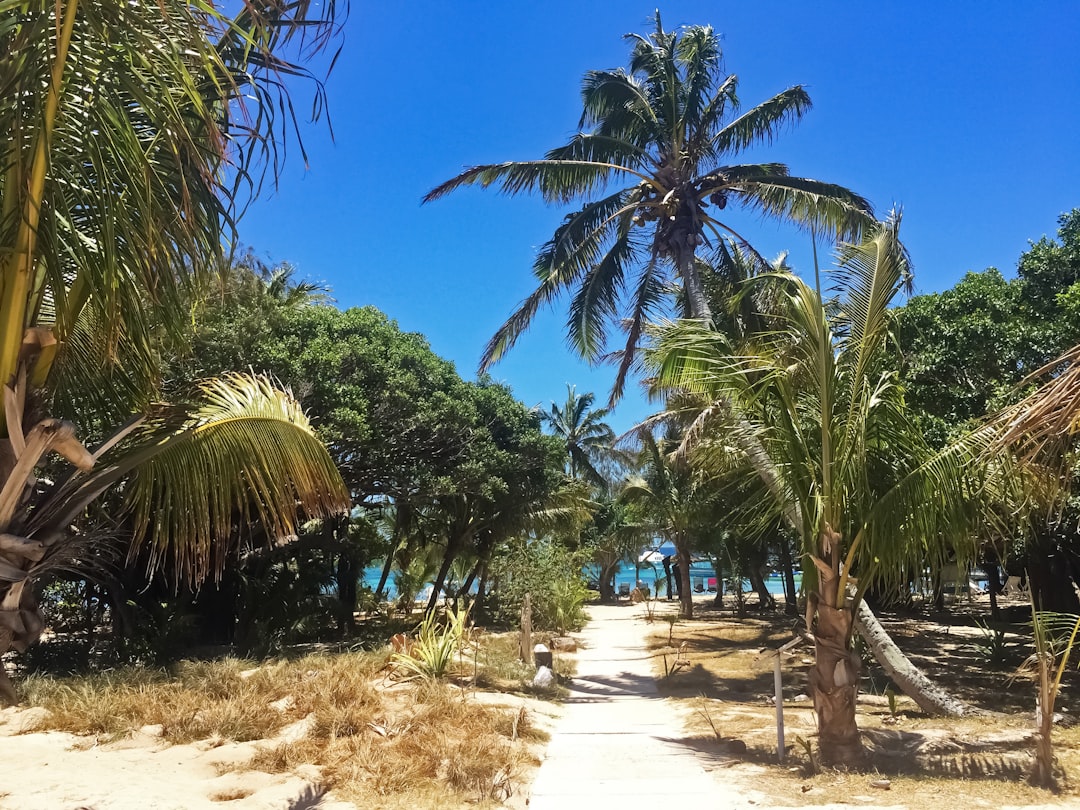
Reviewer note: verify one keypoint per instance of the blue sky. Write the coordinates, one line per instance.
(964, 113)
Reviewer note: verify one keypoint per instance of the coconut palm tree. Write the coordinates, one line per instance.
(661, 132)
(130, 133)
(588, 439)
(838, 454)
(676, 496)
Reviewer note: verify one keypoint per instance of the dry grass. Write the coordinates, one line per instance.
(372, 739)
(230, 795)
(980, 761)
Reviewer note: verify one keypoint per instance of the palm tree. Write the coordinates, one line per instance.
(666, 125)
(836, 451)
(130, 132)
(676, 496)
(588, 439)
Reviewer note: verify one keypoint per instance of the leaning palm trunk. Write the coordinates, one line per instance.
(911, 680)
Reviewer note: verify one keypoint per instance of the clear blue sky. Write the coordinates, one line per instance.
(964, 113)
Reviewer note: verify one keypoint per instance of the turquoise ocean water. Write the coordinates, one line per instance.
(700, 574)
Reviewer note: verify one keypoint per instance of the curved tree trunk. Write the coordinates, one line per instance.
(757, 579)
(909, 678)
(686, 595)
(606, 582)
(787, 567)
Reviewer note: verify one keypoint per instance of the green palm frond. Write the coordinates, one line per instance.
(646, 302)
(130, 131)
(597, 299)
(244, 455)
(761, 124)
(827, 208)
(576, 248)
(616, 105)
(556, 180)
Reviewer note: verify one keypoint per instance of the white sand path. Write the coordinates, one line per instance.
(618, 743)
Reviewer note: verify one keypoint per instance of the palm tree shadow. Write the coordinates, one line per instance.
(892, 753)
(309, 799)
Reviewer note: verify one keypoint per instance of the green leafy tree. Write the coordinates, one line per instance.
(967, 353)
(666, 125)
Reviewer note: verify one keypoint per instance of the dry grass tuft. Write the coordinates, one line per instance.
(230, 795)
(368, 736)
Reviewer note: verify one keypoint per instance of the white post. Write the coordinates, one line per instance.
(778, 686)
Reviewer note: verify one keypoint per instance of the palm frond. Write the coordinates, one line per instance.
(245, 455)
(761, 124)
(556, 180)
(826, 208)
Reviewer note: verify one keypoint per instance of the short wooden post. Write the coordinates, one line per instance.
(779, 689)
(525, 640)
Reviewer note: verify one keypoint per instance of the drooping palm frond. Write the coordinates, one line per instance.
(829, 209)
(244, 454)
(1044, 424)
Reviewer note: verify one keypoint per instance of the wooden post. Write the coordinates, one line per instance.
(525, 641)
(779, 689)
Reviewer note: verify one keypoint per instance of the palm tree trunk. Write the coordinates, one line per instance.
(453, 548)
(834, 677)
(607, 581)
(686, 595)
(787, 566)
(385, 572)
(696, 302)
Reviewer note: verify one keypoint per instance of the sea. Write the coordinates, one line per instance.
(702, 579)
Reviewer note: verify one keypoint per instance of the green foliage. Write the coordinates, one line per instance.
(551, 574)
(991, 645)
(967, 348)
(436, 643)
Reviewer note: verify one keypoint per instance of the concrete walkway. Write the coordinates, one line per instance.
(619, 744)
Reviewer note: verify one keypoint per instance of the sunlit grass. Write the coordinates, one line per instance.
(369, 735)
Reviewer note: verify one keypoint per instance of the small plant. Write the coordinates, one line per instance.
(1055, 636)
(680, 662)
(703, 711)
(671, 619)
(808, 749)
(991, 645)
(431, 655)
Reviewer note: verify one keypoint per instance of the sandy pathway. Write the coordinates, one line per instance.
(618, 743)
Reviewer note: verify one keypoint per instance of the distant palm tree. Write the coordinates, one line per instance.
(675, 496)
(588, 439)
(667, 125)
